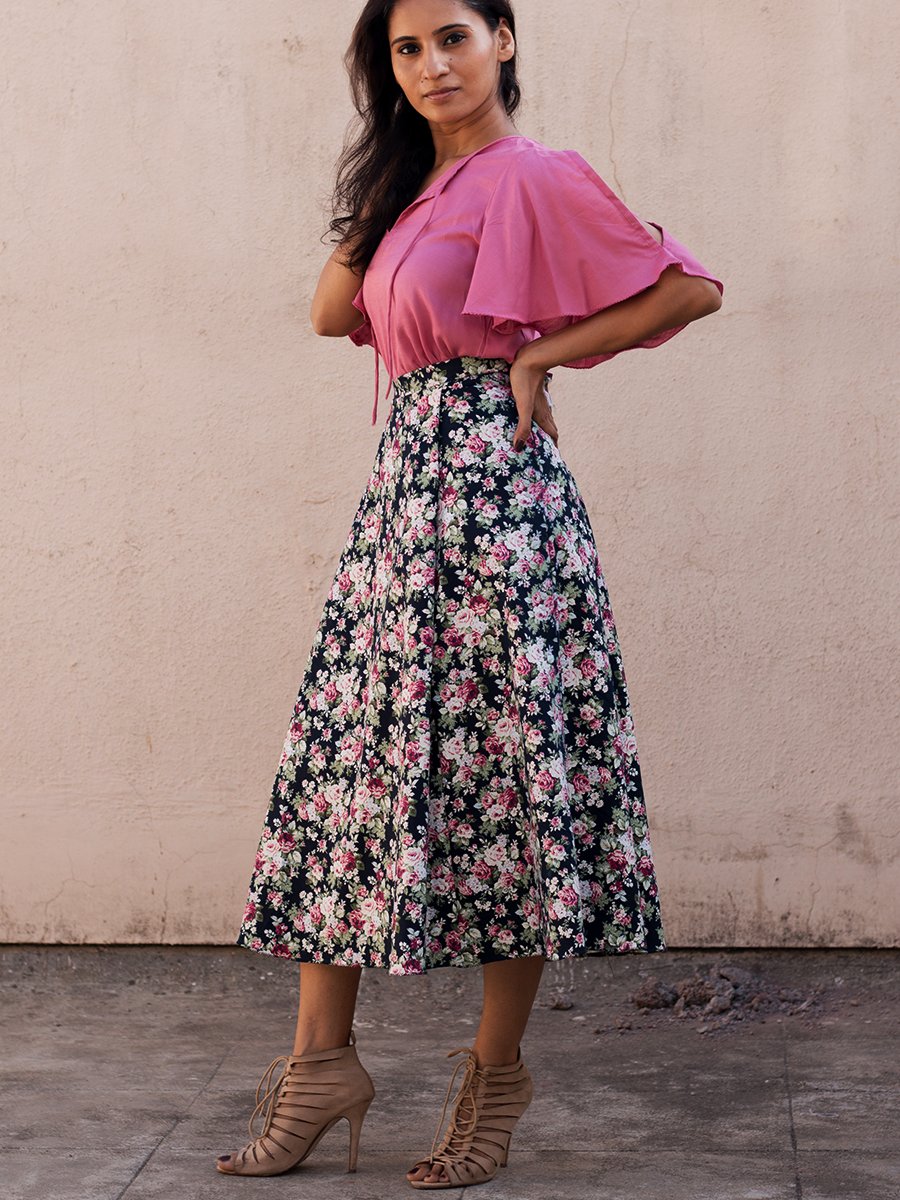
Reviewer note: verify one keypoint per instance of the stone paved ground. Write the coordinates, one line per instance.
(126, 1070)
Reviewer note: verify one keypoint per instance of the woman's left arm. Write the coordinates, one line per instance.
(675, 299)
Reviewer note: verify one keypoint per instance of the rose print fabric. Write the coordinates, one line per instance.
(460, 781)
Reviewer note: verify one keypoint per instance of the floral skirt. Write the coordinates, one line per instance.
(460, 781)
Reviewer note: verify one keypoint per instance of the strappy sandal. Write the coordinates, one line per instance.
(313, 1093)
(489, 1102)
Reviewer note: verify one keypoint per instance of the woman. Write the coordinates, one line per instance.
(460, 783)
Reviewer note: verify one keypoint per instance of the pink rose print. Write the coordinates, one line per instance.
(450, 792)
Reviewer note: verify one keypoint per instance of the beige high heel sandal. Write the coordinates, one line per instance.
(313, 1093)
(488, 1104)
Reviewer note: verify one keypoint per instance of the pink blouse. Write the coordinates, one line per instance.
(512, 242)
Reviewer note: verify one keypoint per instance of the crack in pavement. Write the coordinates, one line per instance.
(172, 1128)
(798, 1185)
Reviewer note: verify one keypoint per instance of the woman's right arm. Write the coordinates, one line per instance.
(332, 313)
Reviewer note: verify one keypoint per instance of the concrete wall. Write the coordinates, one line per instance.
(181, 457)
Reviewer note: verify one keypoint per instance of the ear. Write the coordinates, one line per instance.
(507, 43)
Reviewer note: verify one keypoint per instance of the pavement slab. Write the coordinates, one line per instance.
(847, 1175)
(127, 1070)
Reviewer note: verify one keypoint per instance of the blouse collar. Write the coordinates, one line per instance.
(435, 188)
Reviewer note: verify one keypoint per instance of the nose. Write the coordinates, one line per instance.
(434, 62)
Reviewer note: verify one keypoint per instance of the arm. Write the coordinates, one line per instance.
(675, 299)
(332, 313)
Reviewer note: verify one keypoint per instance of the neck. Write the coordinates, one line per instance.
(480, 128)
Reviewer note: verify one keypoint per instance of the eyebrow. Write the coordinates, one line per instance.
(443, 29)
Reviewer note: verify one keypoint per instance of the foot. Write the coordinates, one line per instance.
(428, 1174)
(488, 1104)
(436, 1172)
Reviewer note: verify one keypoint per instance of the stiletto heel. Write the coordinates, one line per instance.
(355, 1117)
(488, 1104)
(313, 1093)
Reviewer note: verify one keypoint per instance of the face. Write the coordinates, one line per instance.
(447, 58)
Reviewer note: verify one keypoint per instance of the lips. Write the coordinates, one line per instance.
(442, 94)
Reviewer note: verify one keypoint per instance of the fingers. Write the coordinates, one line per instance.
(523, 432)
(521, 436)
(532, 404)
(525, 410)
(543, 418)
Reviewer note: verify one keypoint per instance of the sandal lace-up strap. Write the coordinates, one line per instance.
(487, 1106)
(270, 1095)
(460, 1126)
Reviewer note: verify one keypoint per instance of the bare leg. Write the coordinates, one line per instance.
(325, 1015)
(327, 1004)
(509, 991)
(510, 987)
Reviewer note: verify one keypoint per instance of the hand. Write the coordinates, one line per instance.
(529, 389)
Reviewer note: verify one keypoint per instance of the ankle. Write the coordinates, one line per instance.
(493, 1055)
(313, 1043)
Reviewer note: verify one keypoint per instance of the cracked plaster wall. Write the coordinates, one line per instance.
(181, 457)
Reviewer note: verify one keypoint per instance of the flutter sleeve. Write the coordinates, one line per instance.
(558, 245)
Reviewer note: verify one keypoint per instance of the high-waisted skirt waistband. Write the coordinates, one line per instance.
(446, 373)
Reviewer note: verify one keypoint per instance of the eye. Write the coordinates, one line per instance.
(407, 48)
(453, 39)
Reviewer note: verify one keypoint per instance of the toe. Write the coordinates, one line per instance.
(428, 1173)
(225, 1163)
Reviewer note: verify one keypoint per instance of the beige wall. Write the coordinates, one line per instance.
(182, 457)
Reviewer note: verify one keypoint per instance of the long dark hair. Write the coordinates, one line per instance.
(382, 167)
